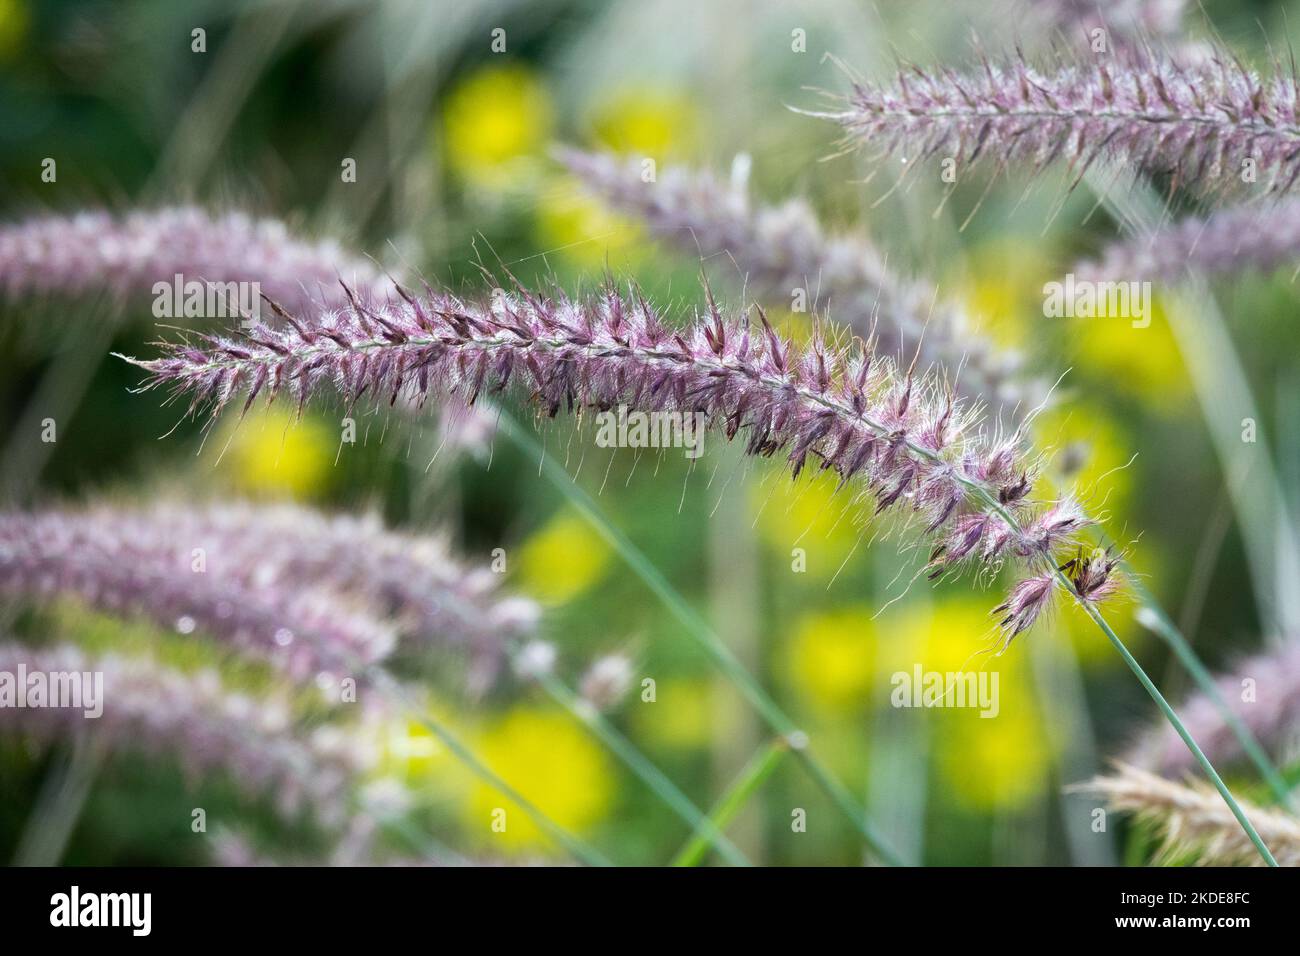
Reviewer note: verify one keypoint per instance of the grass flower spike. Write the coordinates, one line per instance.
(1227, 242)
(90, 252)
(193, 718)
(309, 592)
(1211, 127)
(132, 567)
(779, 249)
(904, 439)
(1262, 691)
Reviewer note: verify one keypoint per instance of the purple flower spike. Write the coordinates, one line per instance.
(903, 439)
(193, 718)
(90, 252)
(781, 249)
(1207, 125)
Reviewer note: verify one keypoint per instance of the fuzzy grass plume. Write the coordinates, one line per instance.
(1194, 822)
(904, 439)
(1227, 242)
(435, 600)
(312, 593)
(196, 720)
(779, 249)
(126, 255)
(123, 566)
(1263, 691)
(1211, 126)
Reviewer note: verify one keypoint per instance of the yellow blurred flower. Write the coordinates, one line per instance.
(680, 717)
(14, 20)
(985, 762)
(495, 118)
(808, 514)
(1093, 451)
(831, 658)
(999, 763)
(952, 633)
(574, 226)
(1144, 362)
(554, 764)
(562, 560)
(654, 123)
(1004, 288)
(271, 452)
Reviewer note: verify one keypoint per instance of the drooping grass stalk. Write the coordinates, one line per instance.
(699, 631)
(1155, 619)
(853, 409)
(1177, 724)
(1069, 585)
(127, 562)
(579, 848)
(128, 255)
(746, 784)
(642, 767)
(1228, 242)
(905, 439)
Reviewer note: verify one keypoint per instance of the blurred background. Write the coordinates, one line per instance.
(451, 142)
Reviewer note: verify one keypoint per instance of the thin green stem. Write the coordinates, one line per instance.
(579, 848)
(1177, 724)
(1159, 622)
(649, 774)
(746, 784)
(700, 632)
(1064, 582)
(59, 806)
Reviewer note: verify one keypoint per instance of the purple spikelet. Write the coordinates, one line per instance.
(783, 248)
(193, 718)
(1271, 710)
(1227, 242)
(901, 438)
(311, 593)
(435, 600)
(125, 566)
(90, 252)
(1198, 124)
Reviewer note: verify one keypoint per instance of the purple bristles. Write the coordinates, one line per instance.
(194, 719)
(847, 410)
(91, 252)
(781, 249)
(310, 593)
(1204, 125)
